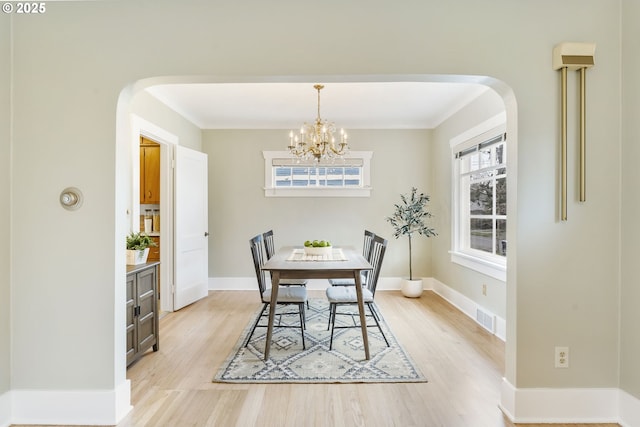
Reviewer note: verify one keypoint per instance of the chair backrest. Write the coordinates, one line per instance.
(366, 246)
(378, 248)
(258, 262)
(269, 246)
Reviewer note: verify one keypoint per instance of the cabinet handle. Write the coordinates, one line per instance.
(206, 234)
(149, 194)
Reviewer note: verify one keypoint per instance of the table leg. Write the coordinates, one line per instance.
(275, 281)
(363, 319)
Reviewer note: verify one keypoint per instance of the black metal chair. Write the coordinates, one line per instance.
(346, 295)
(366, 253)
(287, 295)
(270, 250)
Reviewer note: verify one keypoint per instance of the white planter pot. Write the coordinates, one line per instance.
(411, 288)
(137, 257)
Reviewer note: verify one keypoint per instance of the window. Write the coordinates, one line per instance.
(288, 177)
(318, 176)
(480, 201)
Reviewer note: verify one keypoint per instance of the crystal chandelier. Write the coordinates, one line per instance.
(316, 141)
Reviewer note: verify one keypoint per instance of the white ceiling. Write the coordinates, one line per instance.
(387, 105)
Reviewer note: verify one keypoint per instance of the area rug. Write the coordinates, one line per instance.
(345, 363)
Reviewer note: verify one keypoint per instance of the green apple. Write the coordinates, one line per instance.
(307, 243)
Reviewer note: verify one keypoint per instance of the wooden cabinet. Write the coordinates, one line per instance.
(154, 251)
(142, 309)
(149, 172)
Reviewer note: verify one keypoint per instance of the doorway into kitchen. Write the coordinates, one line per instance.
(149, 175)
(182, 209)
(152, 186)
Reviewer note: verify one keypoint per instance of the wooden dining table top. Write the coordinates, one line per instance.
(317, 269)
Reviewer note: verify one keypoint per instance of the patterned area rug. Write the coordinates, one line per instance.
(345, 363)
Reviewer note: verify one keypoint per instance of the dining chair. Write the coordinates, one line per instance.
(346, 295)
(270, 250)
(287, 295)
(366, 253)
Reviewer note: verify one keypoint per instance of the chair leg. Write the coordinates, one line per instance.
(304, 314)
(255, 324)
(374, 311)
(375, 319)
(302, 323)
(332, 320)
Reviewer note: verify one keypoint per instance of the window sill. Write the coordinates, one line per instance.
(318, 192)
(492, 269)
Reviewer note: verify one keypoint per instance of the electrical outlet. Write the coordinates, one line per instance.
(562, 357)
(484, 289)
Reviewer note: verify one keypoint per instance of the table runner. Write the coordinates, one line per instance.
(299, 255)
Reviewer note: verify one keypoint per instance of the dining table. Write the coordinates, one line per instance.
(290, 262)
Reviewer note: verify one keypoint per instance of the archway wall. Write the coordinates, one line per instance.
(72, 63)
(5, 136)
(630, 291)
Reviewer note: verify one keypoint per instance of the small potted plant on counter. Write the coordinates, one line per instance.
(407, 220)
(138, 245)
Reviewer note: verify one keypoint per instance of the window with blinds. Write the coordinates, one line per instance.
(483, 191)
(287, 173)
(480, 200)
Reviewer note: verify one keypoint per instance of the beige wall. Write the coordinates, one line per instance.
(238, 208)
(152, 110)
(5, 173)
(630, 291)
(72, 63)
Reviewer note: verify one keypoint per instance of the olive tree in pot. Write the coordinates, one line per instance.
(408, 220)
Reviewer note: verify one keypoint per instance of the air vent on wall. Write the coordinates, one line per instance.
(486, 320)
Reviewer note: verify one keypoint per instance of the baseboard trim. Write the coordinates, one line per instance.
(71, 407)
(464, 304)
(5, 409)
(629, 410)
(233, 284)
(569, 406)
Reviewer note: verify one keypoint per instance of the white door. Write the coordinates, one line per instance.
(191, 227)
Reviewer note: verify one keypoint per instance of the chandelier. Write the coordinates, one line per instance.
(316, 141)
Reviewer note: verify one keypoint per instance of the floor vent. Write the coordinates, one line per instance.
(486, 320)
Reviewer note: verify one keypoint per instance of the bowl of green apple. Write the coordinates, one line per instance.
(317, 247)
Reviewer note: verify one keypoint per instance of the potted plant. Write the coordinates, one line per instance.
(138, 245)
(408, 220)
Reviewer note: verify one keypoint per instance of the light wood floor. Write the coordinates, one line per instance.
(462, 362)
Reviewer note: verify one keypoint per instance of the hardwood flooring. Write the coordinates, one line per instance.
(462, 362)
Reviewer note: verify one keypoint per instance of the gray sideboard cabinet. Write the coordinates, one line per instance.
(142, 309)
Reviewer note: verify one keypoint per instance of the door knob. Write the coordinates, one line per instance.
(206, 234)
